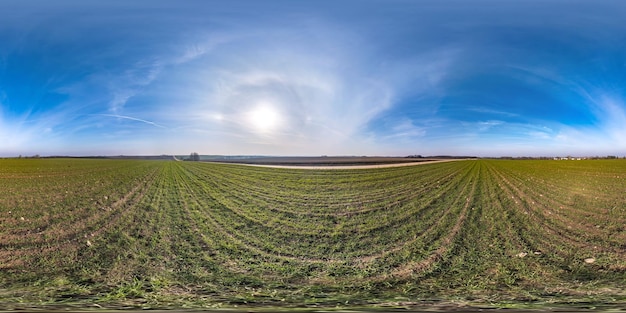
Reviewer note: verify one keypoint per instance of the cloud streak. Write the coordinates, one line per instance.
(130, 118)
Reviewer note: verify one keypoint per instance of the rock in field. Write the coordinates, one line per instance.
(590, 260)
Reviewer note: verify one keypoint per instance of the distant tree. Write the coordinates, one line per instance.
(194, 156)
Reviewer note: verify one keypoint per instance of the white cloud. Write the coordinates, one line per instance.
(122, 86)
(130, 118)
(487, 125)
(614, 121)
(405, 129)
(608, 136)
(321, 101)
(20, 136)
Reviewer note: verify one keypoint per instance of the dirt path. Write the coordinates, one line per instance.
(341, 167)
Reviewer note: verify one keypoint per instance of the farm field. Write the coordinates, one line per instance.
(167, 234)
(325, 161)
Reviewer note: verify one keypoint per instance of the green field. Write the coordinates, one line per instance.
(171, 234)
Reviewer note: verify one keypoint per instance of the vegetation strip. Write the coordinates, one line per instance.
(339, 167)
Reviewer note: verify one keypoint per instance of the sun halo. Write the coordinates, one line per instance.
(264, 118)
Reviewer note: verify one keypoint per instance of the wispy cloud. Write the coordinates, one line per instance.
(130, 118)
(320, 99)
(122, 86)
(487, 125)
(407, 130)
(608, 134)
(24, 135)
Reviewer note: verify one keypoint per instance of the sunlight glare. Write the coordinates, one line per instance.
(264, 118)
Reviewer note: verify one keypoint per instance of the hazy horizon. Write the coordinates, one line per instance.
(380, 78)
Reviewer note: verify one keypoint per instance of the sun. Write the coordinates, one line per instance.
(264, 118)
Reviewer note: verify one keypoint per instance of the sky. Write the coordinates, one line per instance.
(297, 77)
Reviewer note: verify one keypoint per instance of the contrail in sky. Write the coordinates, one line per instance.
(130, 118)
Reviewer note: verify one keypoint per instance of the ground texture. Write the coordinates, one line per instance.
(167, 234)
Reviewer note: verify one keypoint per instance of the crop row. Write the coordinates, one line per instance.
(51, 210)
(495, 229)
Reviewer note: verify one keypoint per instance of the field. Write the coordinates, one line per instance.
(167, 234)
(324, 161)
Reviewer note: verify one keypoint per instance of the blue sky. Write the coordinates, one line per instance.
(486, 78)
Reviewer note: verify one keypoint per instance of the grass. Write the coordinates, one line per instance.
(165, 234)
